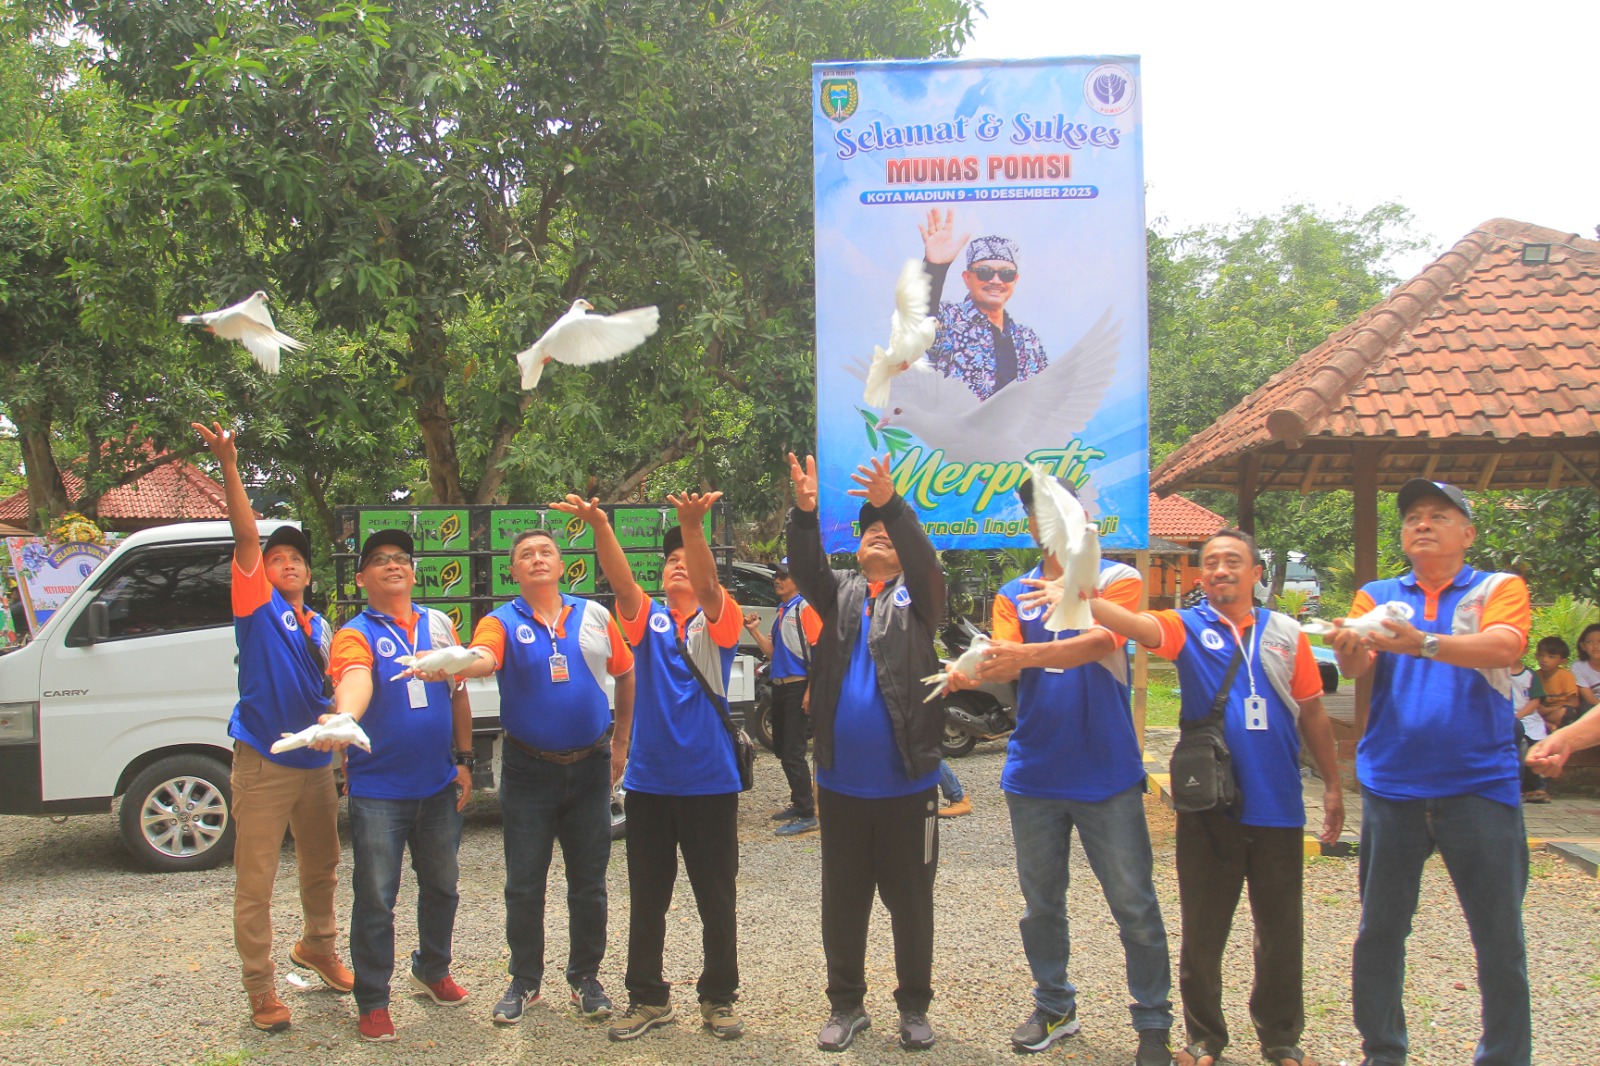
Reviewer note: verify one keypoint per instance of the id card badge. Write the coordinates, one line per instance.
(417, 693)
(558, 667)
(1255, 712)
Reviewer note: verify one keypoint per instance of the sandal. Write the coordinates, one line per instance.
(1199, 1055)
(1277, 1056)
(1538, 795)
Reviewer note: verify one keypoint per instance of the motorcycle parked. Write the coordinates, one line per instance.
(988, 712)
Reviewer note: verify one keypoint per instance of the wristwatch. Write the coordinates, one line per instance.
(467, 759)
(1430, 645)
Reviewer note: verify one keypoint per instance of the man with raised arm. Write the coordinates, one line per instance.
(1274, 700)
(682, 780)
(877, 743)
(562, 755)
(1074, 763)
(283, 657)
(409, 790)
(1438, 771)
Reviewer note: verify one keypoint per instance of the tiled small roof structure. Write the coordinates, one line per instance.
(1483, 370)
(174, 491)
(1178, 518)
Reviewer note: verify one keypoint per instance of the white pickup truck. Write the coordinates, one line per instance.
(127, 691)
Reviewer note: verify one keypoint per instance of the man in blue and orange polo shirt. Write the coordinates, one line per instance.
(283, 654)
(1074, 763)
(1275, 700)
(682, 779)
(560, 759)
(409, 790)
(1438, 769)
(794, 630)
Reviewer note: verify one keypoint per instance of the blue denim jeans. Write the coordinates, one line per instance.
(380, 832)
(1485, 848)
(542, 803)
(949, 783)
(1117, 842)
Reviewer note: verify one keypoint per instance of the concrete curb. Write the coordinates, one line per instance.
(1585, 859)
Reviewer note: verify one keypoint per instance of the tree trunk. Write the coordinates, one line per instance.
(433, 411)
(47, 493)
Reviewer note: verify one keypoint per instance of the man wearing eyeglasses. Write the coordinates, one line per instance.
(408, 791)
(978, 342)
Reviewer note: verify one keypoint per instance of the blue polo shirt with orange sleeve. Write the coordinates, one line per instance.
(280, 679)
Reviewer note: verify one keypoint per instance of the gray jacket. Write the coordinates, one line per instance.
(901, 637)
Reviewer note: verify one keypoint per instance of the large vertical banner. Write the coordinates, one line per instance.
(48, 573)
(1017, 190)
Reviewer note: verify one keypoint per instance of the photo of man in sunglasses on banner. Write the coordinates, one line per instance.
(978, 343)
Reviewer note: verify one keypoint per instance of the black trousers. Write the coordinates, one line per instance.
(789, 737)
(890, 846)
(1217, 856)
(705, 830)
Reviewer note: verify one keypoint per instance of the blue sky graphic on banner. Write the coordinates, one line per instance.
(1028, 178)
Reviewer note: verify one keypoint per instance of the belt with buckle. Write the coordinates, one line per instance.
(788, 680)
(563, 758)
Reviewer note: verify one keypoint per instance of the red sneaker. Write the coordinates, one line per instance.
(444, 991)
(376, 1026)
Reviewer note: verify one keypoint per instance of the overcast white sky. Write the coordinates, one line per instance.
(1461, 111)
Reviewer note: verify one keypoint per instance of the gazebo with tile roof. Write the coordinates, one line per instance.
(1483, 371)
(173, 491)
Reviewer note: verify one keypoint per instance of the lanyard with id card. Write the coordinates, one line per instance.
(558, 661)
(416, 688)
(1255, 706)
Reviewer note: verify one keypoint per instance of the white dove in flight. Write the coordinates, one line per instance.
(341, 728)
(1368, 624)
(579, 338)
(1045, 410)
(967, 662)
(451, 660)
(911, 331)
(249, 323)
(1066, 533)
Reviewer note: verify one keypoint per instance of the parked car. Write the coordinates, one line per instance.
(754, 591)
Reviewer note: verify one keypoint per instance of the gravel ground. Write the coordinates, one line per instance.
(103, 963)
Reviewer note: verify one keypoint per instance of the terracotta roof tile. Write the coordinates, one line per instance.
(1179, 518)
(1479, 348)
(175, 491)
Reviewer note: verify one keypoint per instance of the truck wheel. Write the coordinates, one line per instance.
(619, 816)
(178, 815)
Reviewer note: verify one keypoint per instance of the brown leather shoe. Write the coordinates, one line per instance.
(335, 974)
(268, 1012)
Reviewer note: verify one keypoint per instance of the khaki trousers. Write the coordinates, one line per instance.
(267, 799)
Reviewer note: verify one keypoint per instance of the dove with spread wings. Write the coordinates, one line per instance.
(911, 331)
(579, 338)
(1067, 534)
(250, 323)
(1044, 410)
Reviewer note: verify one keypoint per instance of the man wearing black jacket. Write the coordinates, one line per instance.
(877, 743)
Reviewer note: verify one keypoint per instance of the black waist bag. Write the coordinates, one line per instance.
(1202, 766)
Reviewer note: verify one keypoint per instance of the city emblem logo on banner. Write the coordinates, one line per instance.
(386, 647)
(1211, 639)
(902, 597)
(525, 634)
(1109, 89)
(288, 620)
(660, 623)
(840, 97)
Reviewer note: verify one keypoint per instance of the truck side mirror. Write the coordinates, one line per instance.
(99, 621)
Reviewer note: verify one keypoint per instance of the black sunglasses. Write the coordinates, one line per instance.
(1007, 274)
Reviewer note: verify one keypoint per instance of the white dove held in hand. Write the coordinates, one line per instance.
(249, 323)
(451, 660)
(579, 338)
(1368, 624)
(967, 663)
(1066, 533)
(911, 331)
(341, 728)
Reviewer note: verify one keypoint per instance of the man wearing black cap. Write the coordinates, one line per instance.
(283, 656)
(407, 793)
(682, 779)
(1438, 769)
(794, 630)
(978, 341)
(877, 744)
